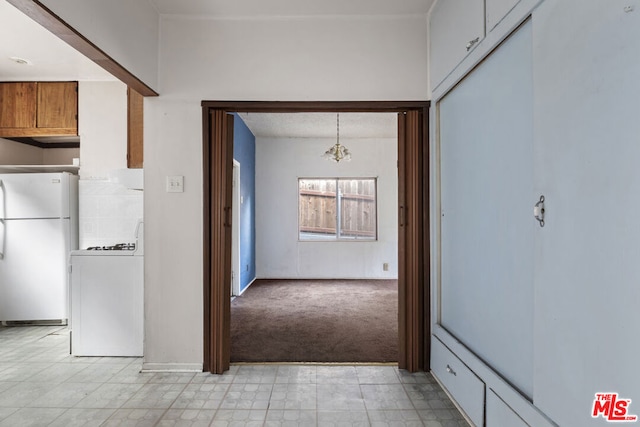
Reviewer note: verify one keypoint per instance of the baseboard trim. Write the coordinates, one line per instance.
(171, 367)
(325, 278)
(392, 364)
(247, 287)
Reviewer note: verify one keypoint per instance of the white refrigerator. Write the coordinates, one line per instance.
(38, 230)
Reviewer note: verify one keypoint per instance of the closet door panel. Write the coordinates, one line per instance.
(487, 198)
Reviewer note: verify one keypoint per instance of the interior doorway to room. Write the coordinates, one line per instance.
(325, 241)
(413, 238)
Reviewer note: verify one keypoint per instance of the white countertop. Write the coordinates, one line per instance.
(39, 168)
(87, 252)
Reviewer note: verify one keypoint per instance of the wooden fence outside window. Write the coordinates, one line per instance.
(337, 208)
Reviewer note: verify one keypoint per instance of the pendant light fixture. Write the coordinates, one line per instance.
(337, 152)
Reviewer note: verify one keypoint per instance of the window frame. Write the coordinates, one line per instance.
(338, 237)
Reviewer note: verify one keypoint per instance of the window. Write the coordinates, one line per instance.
(337, 209)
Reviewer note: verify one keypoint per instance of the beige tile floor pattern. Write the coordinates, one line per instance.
(42, 385)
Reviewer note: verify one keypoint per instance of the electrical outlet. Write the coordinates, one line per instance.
(385, 266)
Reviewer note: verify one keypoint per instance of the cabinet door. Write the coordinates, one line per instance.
(500, 414)
(498, 9)
(487, 225)
(58, 105)
(455, 25)
(18, 105)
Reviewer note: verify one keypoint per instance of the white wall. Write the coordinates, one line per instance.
(323, 58)
(279, 254)
(15, 153)
(59, 156)
(109, 211)
(357, 58)
(102, 125)
(127, 30)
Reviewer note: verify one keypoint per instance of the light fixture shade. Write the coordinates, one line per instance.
(330, 153)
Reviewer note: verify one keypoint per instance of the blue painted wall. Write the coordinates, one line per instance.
(244, 151)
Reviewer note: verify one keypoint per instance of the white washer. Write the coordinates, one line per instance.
(107, 302)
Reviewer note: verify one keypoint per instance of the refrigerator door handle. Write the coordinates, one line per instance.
(2, 219)
(3, 202)
(2, 237)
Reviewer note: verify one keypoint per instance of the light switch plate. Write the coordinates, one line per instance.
(175, 184)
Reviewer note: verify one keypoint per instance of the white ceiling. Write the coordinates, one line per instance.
(52, 59)
(322, 125)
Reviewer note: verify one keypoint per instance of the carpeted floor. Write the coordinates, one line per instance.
(316, 321)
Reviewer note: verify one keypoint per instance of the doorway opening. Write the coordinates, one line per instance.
(322, 286)
(413, 230)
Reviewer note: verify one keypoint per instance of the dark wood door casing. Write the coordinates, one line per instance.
(413, 241)
(413, 225)
(135, 129)
(218, 171)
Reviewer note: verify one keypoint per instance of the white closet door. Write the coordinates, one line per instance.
(487, 198)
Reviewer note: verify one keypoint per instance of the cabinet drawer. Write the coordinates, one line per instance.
(465, 387)
(500, 414)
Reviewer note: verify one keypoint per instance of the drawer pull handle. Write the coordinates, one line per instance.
(472, 43)
(451, 371)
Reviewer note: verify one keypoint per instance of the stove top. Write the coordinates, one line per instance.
(116, 247)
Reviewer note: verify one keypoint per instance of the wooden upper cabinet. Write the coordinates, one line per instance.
(58, 105)
(18, 105)
(31, 109)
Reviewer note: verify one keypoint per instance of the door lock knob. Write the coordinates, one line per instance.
(538, 211)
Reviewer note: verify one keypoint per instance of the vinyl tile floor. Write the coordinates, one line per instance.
(41, 384)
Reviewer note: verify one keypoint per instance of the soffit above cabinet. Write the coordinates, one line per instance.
(48, 57)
